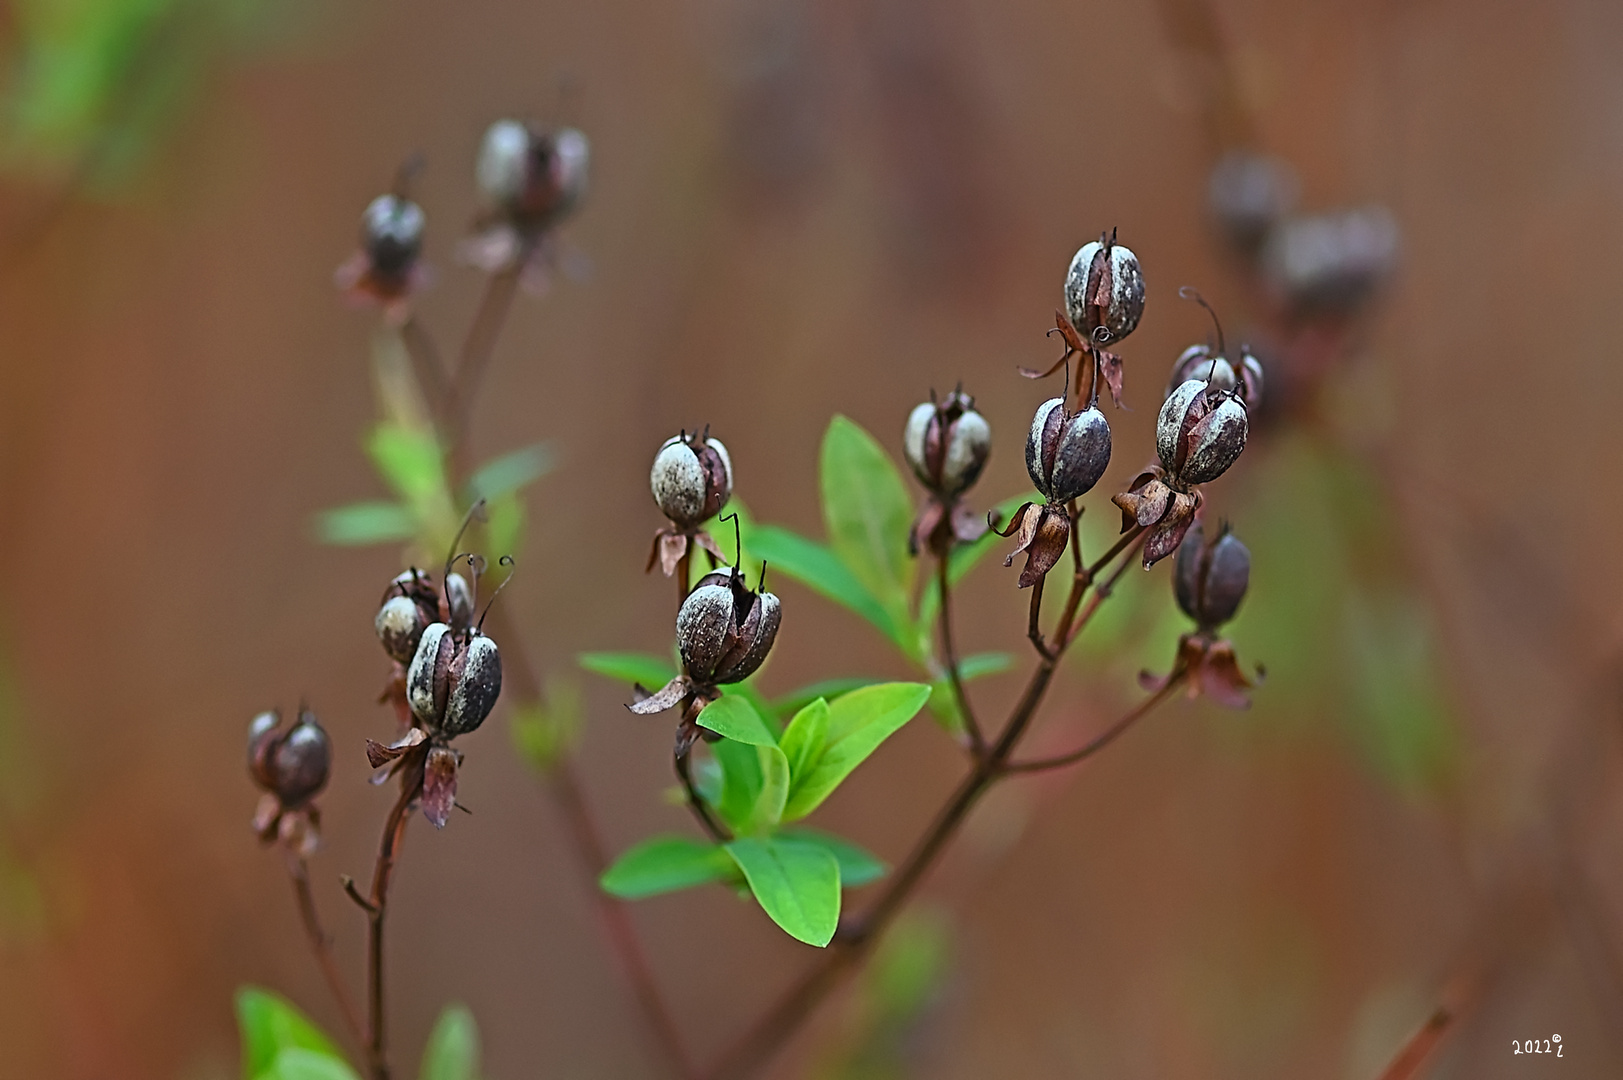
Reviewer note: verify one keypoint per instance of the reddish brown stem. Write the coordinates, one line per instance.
(475, 356)
(949, 655)
(1105, 737)
(683, 575)
(321, 946)
(377, 906)
(1034, 626)
(1419, 1047)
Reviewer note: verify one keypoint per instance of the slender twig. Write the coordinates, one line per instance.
(696, 803)
(774, 1028)
(477, 348)
(1418, 1048)
(1034, 627)
(377, 906)
(1103, 589)
(1105, 737)
(425, 357)
(683, 575)
(949, 654)
(321, 946)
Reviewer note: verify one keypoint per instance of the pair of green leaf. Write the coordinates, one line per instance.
(280, 1043)
(768, 781)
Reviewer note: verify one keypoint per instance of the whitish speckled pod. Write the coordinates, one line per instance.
(1215, 442)
(504, 162)
(454, 680)
(571, 157)
(292, 765)
(392, 234)
(724, 631)
(1066, 453)
(1169, 424)
(1124, 292)
(691, 479)
(947, 445)
(399, 625)
(459, 598)
(1197, 362)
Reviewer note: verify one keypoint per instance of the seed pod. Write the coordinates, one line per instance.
(454, 680)
(692, 479)
(400, 624)
(410, 604)
(1104, 291)
(1067, 452)
(947, 444)
(1209, 579)
(503, 165)
(532, 176)
(1199, 433)
(392, 235)
(1248, 193)
(1332, 262)
(1198, 362)
(291, 765)
(724, 630)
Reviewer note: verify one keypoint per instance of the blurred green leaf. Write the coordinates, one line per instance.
(795, 700)
(805, 737)
(754, 785)
(868, 514)
(817, 567)
(666, 864)
(544, 731)
(509, 473)
(452, 1052)
(908, 965)
(504, 525)
(857, 866)
(857, 723)
(629, 667)
(944, 703)
(272, 1028)
(736, 718)
(797, 884)
(409, 460)
(364, 523)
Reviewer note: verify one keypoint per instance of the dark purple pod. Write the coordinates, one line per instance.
(454, 680)
(1066, 452)
(292, 765)
(724, 630)
(1210, 579)
(1104, 291)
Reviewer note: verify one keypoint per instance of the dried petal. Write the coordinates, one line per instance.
(1219, 677)
(668, 695)
(1110, 370)
(1047, 545)
(379, 755)
(1167, 534)
(921, 536)
(439, 785)
(967, 526)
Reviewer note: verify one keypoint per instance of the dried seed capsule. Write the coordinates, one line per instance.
(1198, 362)
(724, 630)
(1248, 193)
(1067, 452)
(454, 680)
(503, 165)
(534, 177)
(1210, 579)
(947, 444)
(1199, 432)
(291, 765)
(392, 235)
(1332, 262)
(400, 624)
(1104, 291)
(692, 479)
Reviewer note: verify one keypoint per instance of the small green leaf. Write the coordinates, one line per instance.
(665, 864)
(857, 866)
(509, 473)
(628, 667)
(982, 664)
(817, 567)
(754, 785)
(452, 1052)
(804, 738)
(544, 731)
(795, 700)
(857, 723)
(270, 1024)
(734, 717)
(410, 460)
(364, 523)
(868, 513)
(504, 525)
(796, 884)
(299, 1064)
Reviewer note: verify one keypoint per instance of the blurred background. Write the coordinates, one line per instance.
(800, 209)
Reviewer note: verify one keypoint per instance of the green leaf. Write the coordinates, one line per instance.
(734, 717)
(796, 884)
(652, 672)
(982, 664)
(965, 556)
(805, 737)
(754, 785)
(795, 700)
(868, 513)
(817, 567)
(452, 1052)
(299, 1064)
(544, 731)
(364, 523)
(509, 473)
(857, 866)
(269, 1025)
(411, 461)
(857, 723)
(665, 864)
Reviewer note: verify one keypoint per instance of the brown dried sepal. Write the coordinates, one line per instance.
(671, 543)
(1151, 503)
(939, 527)
(1211, 669)
(1042, 533)
(439, 784)
(666, 697)
(297, 830)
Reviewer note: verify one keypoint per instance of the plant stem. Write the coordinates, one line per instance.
(1103, 589)
(425, 356)
(949, 653)
(477, 348)
(1419, 1046)
(768, 1034)
(377, 905)
(1034, 629)
(683, 575)
(701, 812)
(321, 945)
(1105, 737)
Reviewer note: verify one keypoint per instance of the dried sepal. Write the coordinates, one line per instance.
(1042, 533)
(664, 698)
(1210, 668)
(439, 785)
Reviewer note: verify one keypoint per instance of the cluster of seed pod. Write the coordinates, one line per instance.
(1209, 579)
(946, 443)
(692, 479)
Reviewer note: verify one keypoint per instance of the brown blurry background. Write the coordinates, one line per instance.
(799, 209)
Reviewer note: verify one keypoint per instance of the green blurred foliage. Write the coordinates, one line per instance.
(93, 85)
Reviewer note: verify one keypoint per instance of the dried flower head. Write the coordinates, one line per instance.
(1209, 580)
(387, 270)
(692, 479)
(1248, 194)
(1104, 291)
(1331, 263)
(532, 178)
(291, 768)
(946, 443)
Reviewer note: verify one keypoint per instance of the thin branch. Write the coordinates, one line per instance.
(701, 812)
(683, 575)
(977, 741)
(321, 945)
(1103, 589)
(394, 830)
(425, 358)
(1418, 1048)
(1105, 737)
(477, 349)
(1034, 627)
